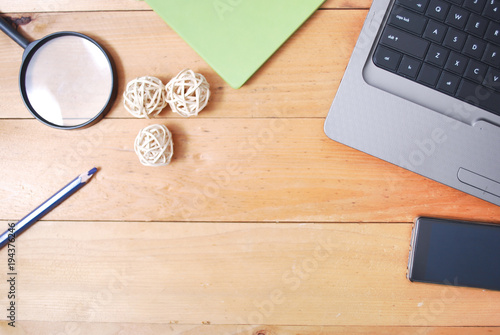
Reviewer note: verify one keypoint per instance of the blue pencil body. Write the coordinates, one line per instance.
(47, 206)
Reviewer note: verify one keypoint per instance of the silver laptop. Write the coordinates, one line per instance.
(422, 91)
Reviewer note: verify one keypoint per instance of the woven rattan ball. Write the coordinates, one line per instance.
(188, 93)
(144, 97)
(154, 145)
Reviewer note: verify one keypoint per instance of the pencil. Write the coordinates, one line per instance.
(11, 234)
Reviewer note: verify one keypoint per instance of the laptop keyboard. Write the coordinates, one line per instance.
(452, 46)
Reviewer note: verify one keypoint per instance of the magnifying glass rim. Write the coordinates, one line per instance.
(28, 54)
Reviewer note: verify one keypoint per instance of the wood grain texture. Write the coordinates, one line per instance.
(80, 328)
(300, 80)
(224, 169)
(128, 5)
(233, 273)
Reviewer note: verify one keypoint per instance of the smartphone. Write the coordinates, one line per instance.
(456, 253)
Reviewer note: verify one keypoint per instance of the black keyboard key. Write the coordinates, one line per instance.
(435, 31)
(493, 33)
(386, 58)
(474, 47)
(448, 83)
(475, 5)
(404, 42)
(456, 63)
(437, 55)
(438, 9)
(492, 55)
(477, 25)
(457, 17)
(457, 2)
(492, 79)
(454, 39)
(428, 75)
(476, 71)
(409, 67)
(407, 20)
(492, 9)
(416, 5)
(479, 96)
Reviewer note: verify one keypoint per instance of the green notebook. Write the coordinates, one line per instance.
(235, 37)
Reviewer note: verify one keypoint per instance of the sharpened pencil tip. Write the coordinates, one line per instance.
(84, 177)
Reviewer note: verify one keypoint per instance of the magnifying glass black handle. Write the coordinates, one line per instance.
(12, 33)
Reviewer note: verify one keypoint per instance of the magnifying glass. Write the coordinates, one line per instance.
(67, 80)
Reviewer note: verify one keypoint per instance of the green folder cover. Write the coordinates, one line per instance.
(235, 37)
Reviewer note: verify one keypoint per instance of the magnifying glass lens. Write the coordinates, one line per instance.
(68, 81)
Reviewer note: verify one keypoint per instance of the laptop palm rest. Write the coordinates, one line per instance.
(476, 180)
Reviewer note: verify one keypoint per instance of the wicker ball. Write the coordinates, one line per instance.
(144, 97)
(188, 93)
(154, 145)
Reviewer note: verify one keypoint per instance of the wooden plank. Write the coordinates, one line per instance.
(300, 80)
(128, 5)
(346, 4)
(232, 273)
(222, 170)
(28, 6)
(80, 328)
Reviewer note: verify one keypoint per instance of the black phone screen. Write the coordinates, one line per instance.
(455, 253)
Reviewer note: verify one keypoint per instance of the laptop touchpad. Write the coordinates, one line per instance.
(487, 126)
(475, 180)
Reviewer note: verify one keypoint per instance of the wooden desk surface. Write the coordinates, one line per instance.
(260, 225)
